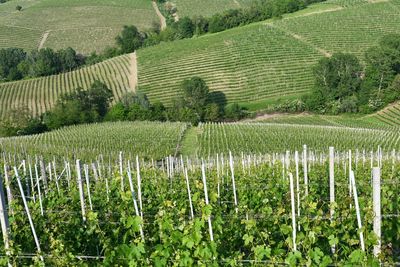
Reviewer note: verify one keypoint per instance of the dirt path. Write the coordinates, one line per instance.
(163, 21)
(44, 38)
(302, 39)
(133, 77)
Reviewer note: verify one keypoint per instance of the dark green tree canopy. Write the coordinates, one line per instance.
(130, 39)
(339, 76)
(195, 93)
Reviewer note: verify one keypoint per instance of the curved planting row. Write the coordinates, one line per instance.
(40, 94)
(266, 137)
(146, 139)
(252, 63)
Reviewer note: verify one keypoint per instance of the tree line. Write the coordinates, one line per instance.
(194, 104)
(344, 85)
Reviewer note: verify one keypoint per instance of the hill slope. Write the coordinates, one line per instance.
(84, 25)
(40, 94)
(261, 62)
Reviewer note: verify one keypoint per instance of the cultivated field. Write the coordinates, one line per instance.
(275, 209)
(84, 25)
(146, 139)
(40, 94)
(259, 63)
(205, 8)
(271, 137)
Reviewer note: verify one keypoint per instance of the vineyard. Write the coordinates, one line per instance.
(306, 208)
(81, 24)
(389, 115)
(205, 8)
(263, 62)
(261, 137)
(246, 64)
(39, 95)
(147, 139)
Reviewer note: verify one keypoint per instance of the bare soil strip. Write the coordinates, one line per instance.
(43, 40)
(133, 75)
(163, 21)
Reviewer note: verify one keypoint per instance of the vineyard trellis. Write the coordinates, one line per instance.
(184, 210)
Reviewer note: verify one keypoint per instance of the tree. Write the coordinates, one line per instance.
(195, 94)
(9, 60)
(184, 28)
(68, 59)
(234, 112)
(44, 62)
(100, 97)
(212, 112)
(18, 8)
(130, 39)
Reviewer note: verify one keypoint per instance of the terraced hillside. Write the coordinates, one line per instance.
(40, 94)
(146, 139)
(259, 63)
(84, 25)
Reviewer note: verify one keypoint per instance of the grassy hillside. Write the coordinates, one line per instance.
(146, 139)
(84, 25)
(257, 64)
(40, 94)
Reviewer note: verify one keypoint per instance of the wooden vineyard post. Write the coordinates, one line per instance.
(189, 194)
(353, 183)
(121, 171)
(8, 188)
(203, 174)
(86, 169)
(293, 211)
(305, 169)
(376, 197)
(233, 181)
(139, 186)
(134, 199)
(38, 187)
(332, 185)
(32, 183)
(350, 170)
(5, 226)
(80, 187)
(296, 161)
(28, 213)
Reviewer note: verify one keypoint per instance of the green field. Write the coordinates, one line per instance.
(39, 95)
(205, 8)
(148, 140)
(265, 138)
(260, 62)
(84, 25)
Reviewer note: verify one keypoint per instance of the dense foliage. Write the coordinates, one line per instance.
(257, 231)
(16, 64)
(342, 84)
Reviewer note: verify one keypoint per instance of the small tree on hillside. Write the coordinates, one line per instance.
(195, 93)
(130, 39)
(18, 8)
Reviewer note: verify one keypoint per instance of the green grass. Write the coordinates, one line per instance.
(257, 64)
(146, 139)
(39, 95)
(84, 25)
